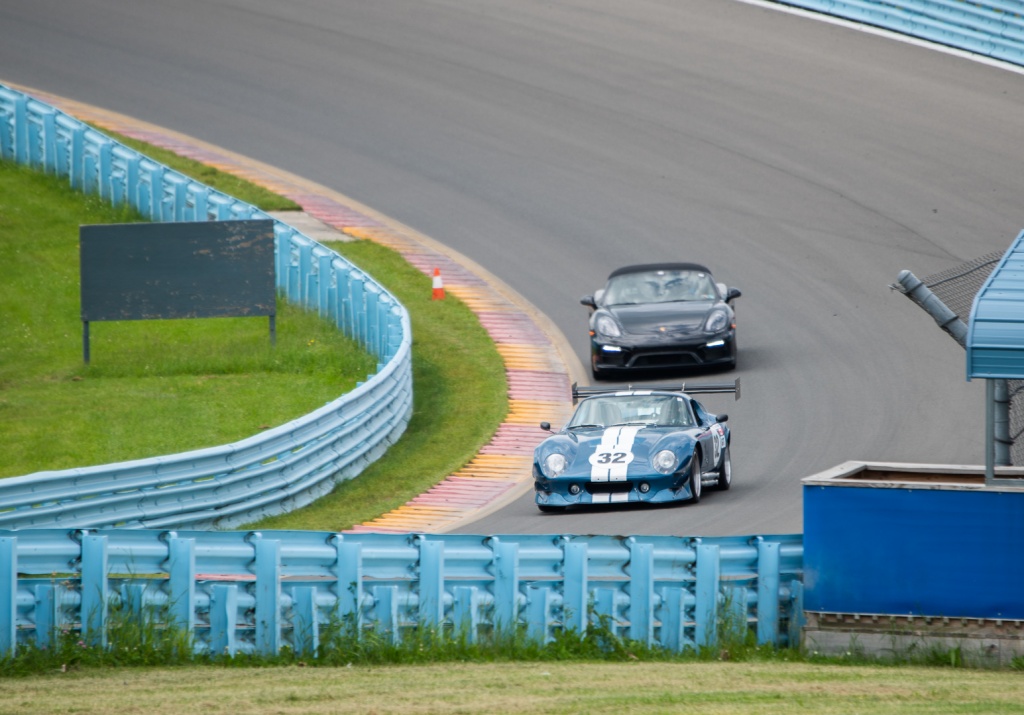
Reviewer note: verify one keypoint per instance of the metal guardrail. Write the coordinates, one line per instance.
(993, 28)
(276, 471)
(239, 592)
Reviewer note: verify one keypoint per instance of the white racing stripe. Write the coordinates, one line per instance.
(613, 455)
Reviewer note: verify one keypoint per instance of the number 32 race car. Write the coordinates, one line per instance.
(621, 445)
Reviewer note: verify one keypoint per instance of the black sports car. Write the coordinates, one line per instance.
(661, 316)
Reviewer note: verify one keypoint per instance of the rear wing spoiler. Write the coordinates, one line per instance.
(707, 388)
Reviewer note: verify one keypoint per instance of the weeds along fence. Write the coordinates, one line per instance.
(259, 593)
(274, 472)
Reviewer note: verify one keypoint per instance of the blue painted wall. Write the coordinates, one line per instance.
(929, 552)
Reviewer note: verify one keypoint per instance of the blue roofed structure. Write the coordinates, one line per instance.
(995, 333)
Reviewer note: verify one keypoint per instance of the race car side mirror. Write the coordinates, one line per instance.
(588, 300)
(732, 294)
(722, 418)
(546, 426)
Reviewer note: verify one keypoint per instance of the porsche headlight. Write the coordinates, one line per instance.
(554, 464)
(605, 325)
(716, 322)
(664, 461)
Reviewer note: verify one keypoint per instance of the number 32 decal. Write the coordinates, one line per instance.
(611, 458)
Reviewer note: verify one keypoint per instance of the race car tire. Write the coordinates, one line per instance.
(695, 479)
(548, 509)
(724, 472)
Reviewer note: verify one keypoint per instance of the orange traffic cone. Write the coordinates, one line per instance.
(438, 285)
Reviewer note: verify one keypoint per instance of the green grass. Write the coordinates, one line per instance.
(161, 387)
(151, 387)
(520, 688)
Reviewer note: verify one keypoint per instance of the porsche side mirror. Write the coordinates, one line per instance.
(722, 418)
(546, 426)
(588, 300)
(732, 294)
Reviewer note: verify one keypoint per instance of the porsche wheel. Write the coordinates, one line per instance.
(724, 472)
(695, 479)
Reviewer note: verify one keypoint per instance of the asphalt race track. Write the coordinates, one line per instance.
(806, 163)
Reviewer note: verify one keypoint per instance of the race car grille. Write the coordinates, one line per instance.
(608, 487)
(665, 359)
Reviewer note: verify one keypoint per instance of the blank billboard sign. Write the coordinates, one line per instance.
(158, 271)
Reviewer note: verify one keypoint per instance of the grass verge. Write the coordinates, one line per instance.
(161, 387)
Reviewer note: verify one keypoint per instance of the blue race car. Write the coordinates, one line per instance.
(621, 445)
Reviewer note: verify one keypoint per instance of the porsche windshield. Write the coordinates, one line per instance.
(665, 286)
(605, 411)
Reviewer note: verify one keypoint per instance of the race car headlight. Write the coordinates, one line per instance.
(555, 464)
(664, 461)
(716, 322)
(605, 325)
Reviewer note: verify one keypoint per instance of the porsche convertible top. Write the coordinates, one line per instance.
(645, 267)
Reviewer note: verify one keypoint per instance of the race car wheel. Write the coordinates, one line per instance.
(695, 479)
(725, 472)
(548, 509)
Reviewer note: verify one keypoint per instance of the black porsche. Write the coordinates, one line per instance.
(661, 316)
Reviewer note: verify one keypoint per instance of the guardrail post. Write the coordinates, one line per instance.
(358, 302)
(431, 584)
(605, 609)
(8, 595)
(673, 604)
(268, 596)
(179, 189)
(796, 613)
(641, 592)
(133, 600)
(50, 142)
(574, 588)
(156, 193)
(90, 171)
(182, 583)
(47, 614)
(465, 615)
(131, 181)
(736, 608)
(349, 586)
(95, 590)
(506, 587)
(706, 609)
(106, 173)
(386, 609)
(77, 171)
(372, 320)
(200, 195)
(323, 303)
(224, 619)
(538, 609)
(304, 274)
(767, 591)
(305, 633)
(343, 299)
(21, 151)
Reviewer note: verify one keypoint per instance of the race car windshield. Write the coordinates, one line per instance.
(647, 410)
(666, 286)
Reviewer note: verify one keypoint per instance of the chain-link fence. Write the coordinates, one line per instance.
(956, 288)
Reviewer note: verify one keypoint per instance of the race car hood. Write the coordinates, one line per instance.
(616, 451)
(681, 317)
